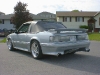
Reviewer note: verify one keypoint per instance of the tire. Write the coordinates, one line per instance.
(36, 50)
(10, 45)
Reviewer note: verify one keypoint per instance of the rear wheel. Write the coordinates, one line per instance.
(10, 45)
(36, 50)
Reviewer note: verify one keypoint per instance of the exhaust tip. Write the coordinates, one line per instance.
(59, 54)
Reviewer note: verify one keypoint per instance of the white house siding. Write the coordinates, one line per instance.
(73, 23)
(59, 19)
(97, 21)
(6, 25)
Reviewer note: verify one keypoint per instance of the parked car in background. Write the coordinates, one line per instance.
(4, 32)
(50, 38)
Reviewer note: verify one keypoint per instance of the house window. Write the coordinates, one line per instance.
(79, 19)
(2, 21)
(66, 19)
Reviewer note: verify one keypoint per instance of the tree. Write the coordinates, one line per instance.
(75, 10)
(0, 21)
(21, 15)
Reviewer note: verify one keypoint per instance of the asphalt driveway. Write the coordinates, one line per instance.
(21, 63)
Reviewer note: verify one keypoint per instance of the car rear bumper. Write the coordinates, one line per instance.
(63, 48)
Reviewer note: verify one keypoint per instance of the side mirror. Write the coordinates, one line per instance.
(16, 32)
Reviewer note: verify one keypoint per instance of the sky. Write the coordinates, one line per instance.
(37, 6)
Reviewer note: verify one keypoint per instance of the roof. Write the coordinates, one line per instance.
(1, 13)
(47, 15)
(36, 17)
(6, 16)
(70, 13)
(97, 13)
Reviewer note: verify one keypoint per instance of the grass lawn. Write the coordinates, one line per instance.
(92, 37)
(3, 41)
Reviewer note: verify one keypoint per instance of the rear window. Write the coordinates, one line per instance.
(51, 25)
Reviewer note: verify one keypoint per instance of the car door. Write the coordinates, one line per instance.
(21, 36)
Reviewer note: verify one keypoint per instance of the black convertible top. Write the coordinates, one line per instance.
(46, 25)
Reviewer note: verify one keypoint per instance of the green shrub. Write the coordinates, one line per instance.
(84, 27)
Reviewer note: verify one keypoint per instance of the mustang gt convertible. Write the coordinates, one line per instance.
(48, 38)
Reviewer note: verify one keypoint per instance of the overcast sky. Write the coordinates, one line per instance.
(37, 6)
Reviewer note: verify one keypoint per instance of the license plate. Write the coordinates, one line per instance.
(73, 38)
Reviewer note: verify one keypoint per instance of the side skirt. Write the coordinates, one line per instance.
(23, 49)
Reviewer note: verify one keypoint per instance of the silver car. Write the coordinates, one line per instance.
(50, 38)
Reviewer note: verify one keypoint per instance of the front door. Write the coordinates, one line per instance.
(21, 36)
(91, 24)
(91, 27)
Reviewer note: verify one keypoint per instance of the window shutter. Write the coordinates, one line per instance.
(70, 19)
(10, 21)
(76, 19)
(3, 21)
(99, 21)
(83, 19)
(63, 18)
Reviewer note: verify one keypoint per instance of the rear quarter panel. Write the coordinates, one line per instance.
(42, 37)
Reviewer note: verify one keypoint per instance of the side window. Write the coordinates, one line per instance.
(24, 28)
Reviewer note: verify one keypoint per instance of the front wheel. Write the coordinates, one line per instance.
(36, 50)
(10, 45)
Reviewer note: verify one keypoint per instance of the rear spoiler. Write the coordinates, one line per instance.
(73, 30)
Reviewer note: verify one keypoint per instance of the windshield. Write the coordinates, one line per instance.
(51, 25)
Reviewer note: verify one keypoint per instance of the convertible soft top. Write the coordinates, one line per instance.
(46, 25)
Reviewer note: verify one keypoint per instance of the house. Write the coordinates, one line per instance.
(7, 24)
(37, 17)
(1, 13)
(76, 19)
(49, 16)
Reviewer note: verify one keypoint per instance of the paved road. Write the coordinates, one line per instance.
(22, 63)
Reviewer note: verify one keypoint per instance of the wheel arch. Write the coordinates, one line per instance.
(8, 38)
(34, 39)
(40, 55)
